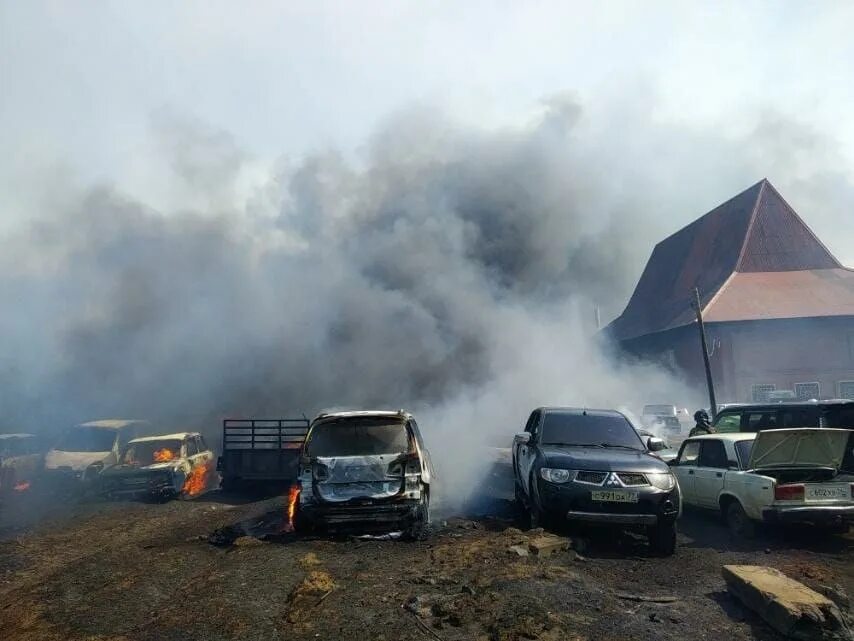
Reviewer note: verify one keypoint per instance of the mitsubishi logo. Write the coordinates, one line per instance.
(612, 481)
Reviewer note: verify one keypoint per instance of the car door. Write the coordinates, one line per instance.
(684, 468)
(526, 452)
(712, 464)
(206, 455)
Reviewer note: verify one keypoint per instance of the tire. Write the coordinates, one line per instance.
(419, 528)
(738, 522)
(662, 539)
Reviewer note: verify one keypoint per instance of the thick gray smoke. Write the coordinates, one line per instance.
(451, 270)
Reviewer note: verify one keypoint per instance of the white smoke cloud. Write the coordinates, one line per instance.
(451, 270)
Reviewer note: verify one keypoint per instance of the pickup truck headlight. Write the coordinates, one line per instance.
(663, 481)
(555, 475)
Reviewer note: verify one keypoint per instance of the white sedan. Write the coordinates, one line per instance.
(776, 476)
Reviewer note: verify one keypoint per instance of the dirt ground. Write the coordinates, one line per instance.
(145, 571)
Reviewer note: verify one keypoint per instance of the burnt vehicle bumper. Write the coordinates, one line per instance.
(129, 486)
(362, 513)
(822, 514)
(573, 501)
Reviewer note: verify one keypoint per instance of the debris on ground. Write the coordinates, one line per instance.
(788, 606)
(306, 596)
(548, 544)
(640, 598)
(247, 541)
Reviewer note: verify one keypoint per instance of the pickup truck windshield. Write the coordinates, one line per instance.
(149, 452)
(87, 439)
(565, 428)
(358, 437)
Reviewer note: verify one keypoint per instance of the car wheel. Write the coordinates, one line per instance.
(662, 539)
(738, 521)
(419, 527)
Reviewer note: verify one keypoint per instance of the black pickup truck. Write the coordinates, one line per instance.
(591, 466)
(258, 450)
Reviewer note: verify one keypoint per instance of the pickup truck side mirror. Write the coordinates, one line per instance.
(654, 444)
(673, 462)
(522, 438)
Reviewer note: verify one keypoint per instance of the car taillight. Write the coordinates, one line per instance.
(790, 492)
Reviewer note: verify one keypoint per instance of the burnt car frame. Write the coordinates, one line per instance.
(21, 460)
(591, 466)
(160, 467)
(367, 469)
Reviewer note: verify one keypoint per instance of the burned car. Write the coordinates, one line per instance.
(168, 466)
(21, 461)
(367, 469)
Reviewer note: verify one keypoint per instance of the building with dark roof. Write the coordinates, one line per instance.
(778, 306)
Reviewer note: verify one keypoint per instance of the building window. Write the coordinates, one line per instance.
(807, 391)
(846, 389)
(761, 391)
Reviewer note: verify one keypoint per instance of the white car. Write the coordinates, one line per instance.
(166, 466)
(776, 476)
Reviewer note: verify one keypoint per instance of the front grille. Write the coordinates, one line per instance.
(594, 478)
(632, 479)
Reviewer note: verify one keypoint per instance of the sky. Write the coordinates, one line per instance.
(84, 84)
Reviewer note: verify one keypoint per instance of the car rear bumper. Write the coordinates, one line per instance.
(809, 514)
(378, 513)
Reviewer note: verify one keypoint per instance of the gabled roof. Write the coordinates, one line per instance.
(723, 254)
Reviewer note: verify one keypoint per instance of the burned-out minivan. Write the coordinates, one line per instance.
(367, 469)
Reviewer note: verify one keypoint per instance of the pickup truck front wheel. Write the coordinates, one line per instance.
(738, 521)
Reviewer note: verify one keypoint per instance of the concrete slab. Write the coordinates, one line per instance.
(786, 605)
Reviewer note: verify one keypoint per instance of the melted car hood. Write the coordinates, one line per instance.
(799, 447)
(124, 470)
(601, 459)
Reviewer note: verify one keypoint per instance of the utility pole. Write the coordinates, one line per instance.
(709, 382)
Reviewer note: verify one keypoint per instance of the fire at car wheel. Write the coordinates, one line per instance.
(662, 539)
(738, 521)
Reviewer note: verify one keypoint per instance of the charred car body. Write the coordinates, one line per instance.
(21, 461)
(367, 469)
(84, 450)
(592, 466)
(163, 467)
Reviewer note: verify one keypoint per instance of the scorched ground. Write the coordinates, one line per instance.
(147, 571)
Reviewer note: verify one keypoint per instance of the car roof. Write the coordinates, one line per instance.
(775, 405)
(177, 436)
(111, 423)
(582, 410)
(18, 435)
(364, 414)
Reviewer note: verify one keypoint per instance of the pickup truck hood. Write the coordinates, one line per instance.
(801, 447)
(128, 470)
(601, 459)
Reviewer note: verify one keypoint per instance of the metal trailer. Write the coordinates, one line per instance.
(261, 450)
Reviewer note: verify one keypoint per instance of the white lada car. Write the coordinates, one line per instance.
(776, 476)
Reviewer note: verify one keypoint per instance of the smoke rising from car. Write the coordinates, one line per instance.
(450, 270)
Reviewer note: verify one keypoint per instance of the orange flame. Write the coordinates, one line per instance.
(293, 497)
(23, 486)
(197, 481)
(163, 455)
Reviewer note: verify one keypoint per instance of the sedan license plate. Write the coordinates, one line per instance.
(614, 496)
(836, 492)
